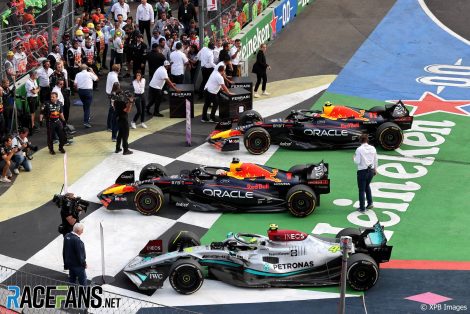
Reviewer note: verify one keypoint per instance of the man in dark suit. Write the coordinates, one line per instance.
(75, 256)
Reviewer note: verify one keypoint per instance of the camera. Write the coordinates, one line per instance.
(76, 204)
(30, 150)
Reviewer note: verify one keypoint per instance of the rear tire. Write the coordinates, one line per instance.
(148, 199)
(182, 240)
(186, 276)
(257, 140)
(389, 136)
(249, 117)
(153, 170)
(363, 272)
(301, 200)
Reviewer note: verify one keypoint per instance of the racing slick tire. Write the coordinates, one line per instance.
(389, 136)
(148, 199)
(362, 272)
(354, 233)
(152, 170)
(301, 200)
(249, 117)
(257, 140)
(186, 276)
(181, 240)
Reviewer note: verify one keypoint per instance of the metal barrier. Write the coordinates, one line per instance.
(15, 283)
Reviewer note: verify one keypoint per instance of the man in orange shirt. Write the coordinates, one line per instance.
(28, 17)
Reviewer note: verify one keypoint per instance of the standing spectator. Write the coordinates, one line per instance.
(6, 153)
(186, 13)
(139, 96)
(365, 158)
(74, 60)
(2, 115)
(162, 7)
(28, 17)
(84, 84)
(54, 56)
(75, 256)
(65, 45)
(118, 47)
(165, 49)
(106, 27)
(155, 37)
(20, 60)
(32, 92)
(44, 84)
(155, 59)
(53, 112)
(144, 18)
(178, 63)
(10, 68)
(100, 47)
(155, 88)
(60, 74)
(90, 58)
(8, 100)
(113, 77)
(225, 52)
(206, 56)
(162, 22)
(139, 55)
(217, 48)
(122, 106)
(129, 41)
(120, 8)
(212, 88)
(19, 158)
(193, 61)
(98, 17)
(259, 68)
(235, 53)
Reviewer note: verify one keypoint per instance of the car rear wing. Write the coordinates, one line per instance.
(397, 110)
(376, 243)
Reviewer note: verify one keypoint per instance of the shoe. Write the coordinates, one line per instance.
(158, 114)
(128, 152)
(110, 130)
(256, 95)
(118, 150)
(165, 92)
(133, 125)
(205, 120)
(52, 152)
(370, 206)
(5, 180)
(87, 125)
(360, 210)
(62, 150)
(266, 93)
(16, 171)
(143, 125)
(214, 120)
(68, 143)
(127, 75)
(114, 140)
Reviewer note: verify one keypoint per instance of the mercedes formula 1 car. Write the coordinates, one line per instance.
(334, 127)
(284, 258)
(241, 187)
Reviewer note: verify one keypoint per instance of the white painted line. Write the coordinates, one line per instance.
(10, 262)
(107, 171)
(204, 220)
(440, 24)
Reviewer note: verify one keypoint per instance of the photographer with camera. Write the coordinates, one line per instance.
(25, 151)
(70, 209)
(6, 152)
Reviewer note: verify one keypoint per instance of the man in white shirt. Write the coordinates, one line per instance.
(84, 84)
(43, 79)
(32, 92)
(365, 158)
(206, 56)
(144, 18)
(235, 53)
(120, 8)
(58, 90)
(113, 77)
(178, 63)
(160, 77)
(211, 90)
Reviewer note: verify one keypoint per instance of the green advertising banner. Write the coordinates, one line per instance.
(302, 4)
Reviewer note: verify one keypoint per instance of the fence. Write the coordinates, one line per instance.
(224, 19)
(12, 278)
(30, 31)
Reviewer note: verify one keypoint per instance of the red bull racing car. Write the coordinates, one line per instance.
(333, 127)
(241, 187)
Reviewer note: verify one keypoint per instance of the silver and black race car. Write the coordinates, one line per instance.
(284, 258)
(334, 127)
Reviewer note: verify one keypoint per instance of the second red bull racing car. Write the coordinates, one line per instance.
(332, 128)
(240, 187)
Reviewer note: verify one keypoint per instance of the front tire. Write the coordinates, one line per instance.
(186, 276)
(257, 140)
(301, 200)
(389, 136)
(148, 199)
(363, 272)
(181, 240)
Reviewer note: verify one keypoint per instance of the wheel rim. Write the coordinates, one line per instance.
(187, 278)
(258, 143)
(362, 276)
(148, 202)
(302, 203)
(391, 138)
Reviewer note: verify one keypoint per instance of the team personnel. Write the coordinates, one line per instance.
(43, 79)
(365, 158)
(84, 84)
(178, 63)
(139, 54)
(113, 77)
(32, 92)
(54, 118)
(74, 60)
(212, 88)
(122, 106)
(155, 88)
(61, 74)
(122, 8)
(259, 68)
(54, 56)
(75, 256)
(139, 95)
(206, 56)
(144, 17)
(155, 59)
(235, 53)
